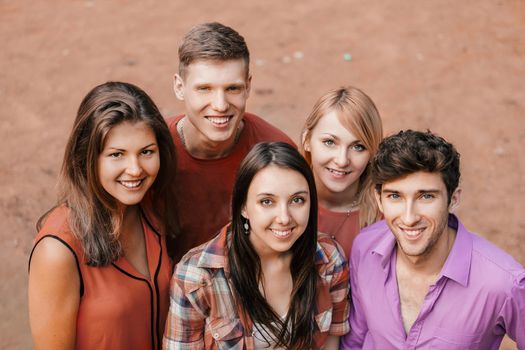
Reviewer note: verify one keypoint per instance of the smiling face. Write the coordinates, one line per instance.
(129, 162)
(416, 209)
(277, 207)
(338, 157)
(215, 94)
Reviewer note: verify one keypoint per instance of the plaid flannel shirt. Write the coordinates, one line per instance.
(203, 313)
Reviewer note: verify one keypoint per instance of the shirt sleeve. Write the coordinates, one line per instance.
(184, 328)
(339, 290)
(513, 313)
(358, 325)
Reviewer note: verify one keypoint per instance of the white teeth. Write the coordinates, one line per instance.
(412, 232)
(281, 233)
(131, 184)
(337, 172)
(218, 120)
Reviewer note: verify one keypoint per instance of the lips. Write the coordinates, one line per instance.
(282, 233)
(131, 184)
(413, 232)
(219, 121)
(338, 173)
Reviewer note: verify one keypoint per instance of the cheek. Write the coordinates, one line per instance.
(104, 170)
(155, 166)
(193, 100)
(254, 212)
(360, 160)
(391, 211)
(302, 215)
(438, 214)
(239, 100)
(319, 155)
(105, 176)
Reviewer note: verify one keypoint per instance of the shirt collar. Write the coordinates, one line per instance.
(386, 245)
(320, 255)
(215, 252)
(457, 265)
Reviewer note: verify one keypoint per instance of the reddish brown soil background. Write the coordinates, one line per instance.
(456, 67)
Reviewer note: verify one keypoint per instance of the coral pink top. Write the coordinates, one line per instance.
(341, 226)
(119, 308)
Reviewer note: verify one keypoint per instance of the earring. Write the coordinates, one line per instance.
(246, 226)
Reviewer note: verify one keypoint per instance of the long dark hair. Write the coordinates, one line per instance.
(93, 215)
(245, 265)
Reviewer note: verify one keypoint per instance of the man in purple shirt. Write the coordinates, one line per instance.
(419, 279)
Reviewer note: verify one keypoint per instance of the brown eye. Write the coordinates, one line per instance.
(115, 155)
(266, 202)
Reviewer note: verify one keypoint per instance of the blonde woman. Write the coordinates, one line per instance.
(340, 136)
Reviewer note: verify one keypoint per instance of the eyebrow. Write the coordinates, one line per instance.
(121, 149)
(209, 84)
(331, 135)
(386, 190)
(336, 137)
(272, 195)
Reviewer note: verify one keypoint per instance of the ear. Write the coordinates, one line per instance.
(243, 213)
(248, 85)
(454, 200)
(377, 196)
(178, 86)
(305, 141)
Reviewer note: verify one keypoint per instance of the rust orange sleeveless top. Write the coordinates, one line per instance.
(119, 308)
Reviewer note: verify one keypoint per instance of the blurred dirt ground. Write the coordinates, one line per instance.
(455, 67)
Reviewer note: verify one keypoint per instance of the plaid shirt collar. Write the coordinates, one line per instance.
(215, 252)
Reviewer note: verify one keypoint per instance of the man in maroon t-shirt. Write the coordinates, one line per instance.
(215, 133)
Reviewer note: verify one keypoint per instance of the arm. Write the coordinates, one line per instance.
(358, 325)
(513, 313)
(332, 343)
(339, 290)
(54, 295)
(185, 322)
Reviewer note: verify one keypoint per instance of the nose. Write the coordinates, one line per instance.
(341, 159)
(410, 216)
(283, 216)
(219, 102)
(133, 167)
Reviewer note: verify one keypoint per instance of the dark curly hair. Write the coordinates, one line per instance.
(411, 151)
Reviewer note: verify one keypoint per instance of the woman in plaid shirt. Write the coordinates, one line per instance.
(267, 280)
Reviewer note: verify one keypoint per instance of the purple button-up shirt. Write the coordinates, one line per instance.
(478, 297)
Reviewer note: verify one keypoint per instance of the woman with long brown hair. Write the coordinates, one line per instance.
(267, 280)
(340, 136)
(99, 270)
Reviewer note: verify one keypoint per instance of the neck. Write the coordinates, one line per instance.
(432, 262)
(344, 201)
(129, 219)
(274, 260)
(201, 147)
